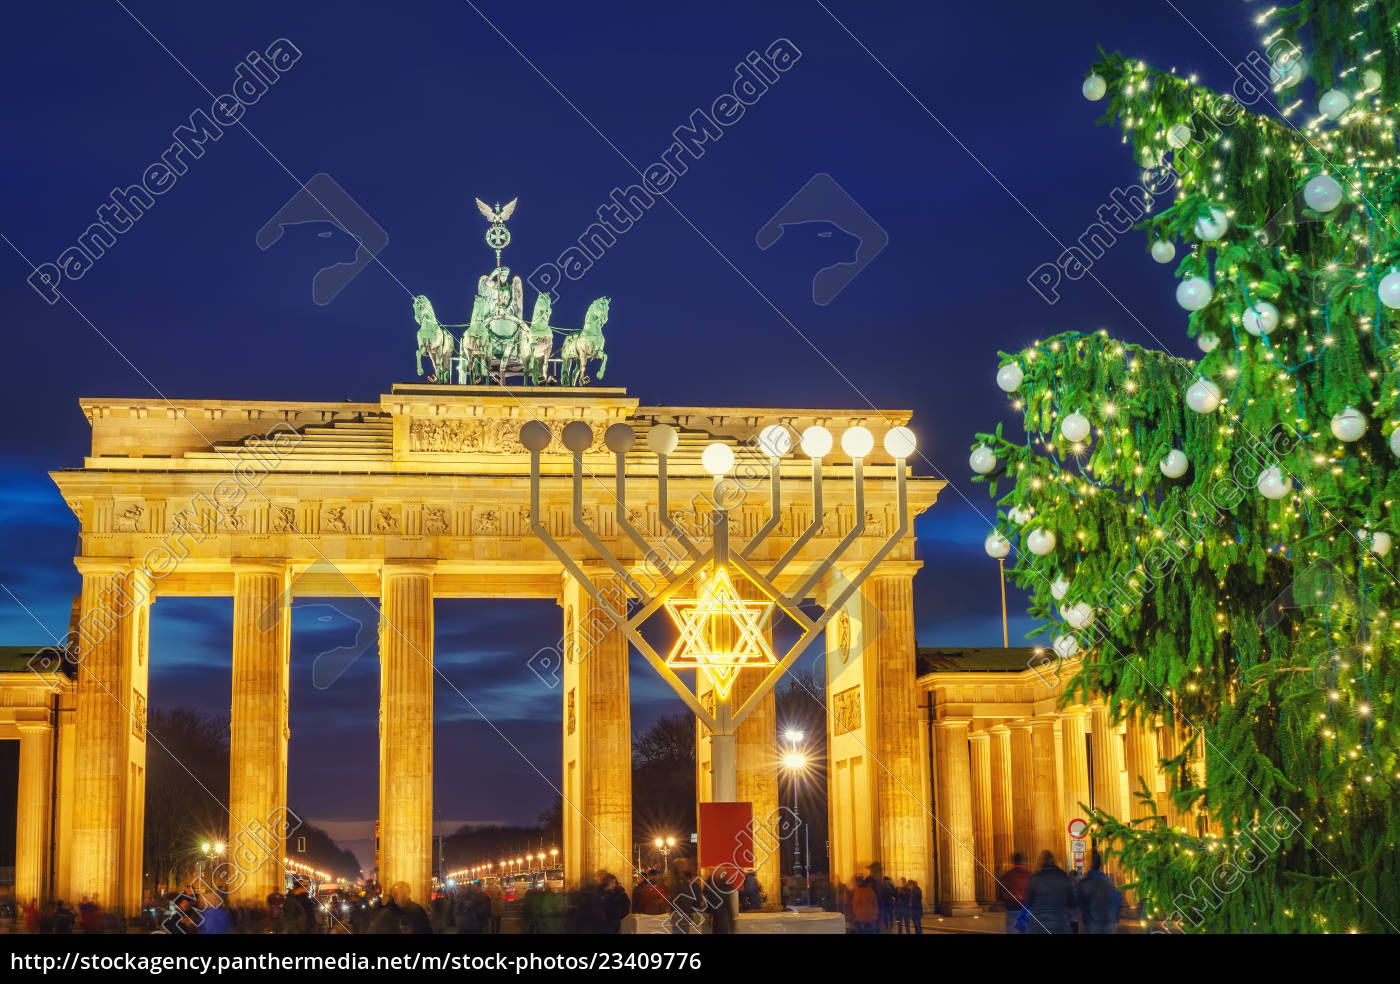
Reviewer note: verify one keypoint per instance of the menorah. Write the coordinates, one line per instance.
(720, 632)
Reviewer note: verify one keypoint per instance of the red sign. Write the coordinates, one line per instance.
(726, 835)
(1078, 827)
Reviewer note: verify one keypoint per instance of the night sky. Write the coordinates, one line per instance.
(958, 131)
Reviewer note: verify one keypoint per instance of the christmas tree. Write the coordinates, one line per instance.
(1209, 542)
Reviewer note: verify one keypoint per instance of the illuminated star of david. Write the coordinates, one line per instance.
(717, 605)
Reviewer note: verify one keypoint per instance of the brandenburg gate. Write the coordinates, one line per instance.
(425, 494)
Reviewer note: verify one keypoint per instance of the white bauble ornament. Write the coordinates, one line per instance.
(1286, 71)
(1040, 542)
(1395, 442)
(1075, 427)
(1371, 79)
(1095, 87)
(1323, 193)
(1194, 293)
(1349, 425)
(996, 545)
(1020, 515)
(983, 460)
(1178, 136)
(1009, 377)
(1207, 343)
(1376, 541)
(1059, 588)
(1066, 646)
(1174, 465)
(1214, 225)
(1203, 396)
(1261, 318)
(1163, 251)
(1333, 104)
(1272, 484)
(1078, 615)
(1389, 289)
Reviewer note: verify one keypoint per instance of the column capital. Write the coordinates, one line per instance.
(33, 727)
(953, 722)
(258, 565)
(1075, 710)
(104, 565)
(1020, 724)
(1000, 729)
(407, 565)
(979, 736)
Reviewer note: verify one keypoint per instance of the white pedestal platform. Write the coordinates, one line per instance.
(758, 923)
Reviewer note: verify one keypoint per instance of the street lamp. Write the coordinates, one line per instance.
(795, 762)
(209, 850)
(665, 845)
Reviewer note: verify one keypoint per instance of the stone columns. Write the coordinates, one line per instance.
(32, 815)
(257, 788)
(1023, 791)
(406, 727)
(1108, 764)
(110, 775)
(1140, 752)
(1047, 813)
(757, 757)
(1003, 810)
(1073, 727)
(958, 891)
(597, 736)
(983, 849)
(899, 795)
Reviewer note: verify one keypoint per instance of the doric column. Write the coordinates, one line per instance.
(1073, 727)
(756, 754)
(597, 735)
(757, 760)
(1047, 813)
(903, 818)
(110, 774)
(257, 788)
(1003, 816)
(984, 874)
(956, 850)
(1140, 754)
(1108, 763)
(406, 727)
(32, 815)
(1023, 791)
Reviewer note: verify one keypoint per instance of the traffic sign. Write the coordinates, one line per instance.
(1078, 827)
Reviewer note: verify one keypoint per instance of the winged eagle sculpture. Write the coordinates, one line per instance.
(498, 214)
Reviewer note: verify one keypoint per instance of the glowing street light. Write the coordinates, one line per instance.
(665, 846)
(795, 761)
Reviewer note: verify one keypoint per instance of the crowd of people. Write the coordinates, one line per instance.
(875, 904)
(1048, 900)
(1053, 900)
(57, 916)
